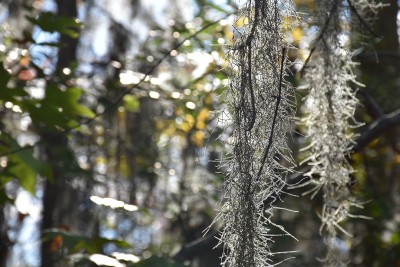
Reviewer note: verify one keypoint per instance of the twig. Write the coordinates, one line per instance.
(252, 97)
(278, 100)
(249, 68)
(321, 34)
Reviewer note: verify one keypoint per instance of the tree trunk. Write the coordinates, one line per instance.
(67, 53)
(4, 240)
(380, 65)
(60, 201)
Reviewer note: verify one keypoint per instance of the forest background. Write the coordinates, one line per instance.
(111, 135)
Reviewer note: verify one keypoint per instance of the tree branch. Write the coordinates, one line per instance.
(375, 55)
(373, 108)
(377, 128)
(197, 246)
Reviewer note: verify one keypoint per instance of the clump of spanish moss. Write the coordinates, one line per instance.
(331, 104)
(259, 107)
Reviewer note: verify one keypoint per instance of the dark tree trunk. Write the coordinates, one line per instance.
(67, 53)
(59, 200)
(60, 205)
(380, 72)
(380, 69)
(5, 243)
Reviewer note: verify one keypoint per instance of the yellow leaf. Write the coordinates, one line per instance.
(203, 114)
(101, 160)
(228, 35)
(208, 100)
(189, 120)
(170, 131)
(357, 157)
(397, 159)
(200, 125)
(178, 111)
(286, 23)
(202, 118)
(242, 21)
(373, 143)
(161, 124)
(198, 138)
(297, 34)
(124, 168)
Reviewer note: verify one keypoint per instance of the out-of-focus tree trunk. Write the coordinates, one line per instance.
(142, 151)
(5, 244)
(59, 200)
(380, 72)
(4, 241)
(67, 53)
(17, 20)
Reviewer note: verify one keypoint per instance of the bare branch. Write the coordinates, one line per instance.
(377, 128)
(197, 247)
(372, 107)
(375, 55)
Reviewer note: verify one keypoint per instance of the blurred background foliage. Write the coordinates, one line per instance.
(111, 135)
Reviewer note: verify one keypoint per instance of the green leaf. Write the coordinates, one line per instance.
(4, 198)
(9, 94)
(25, 175)
(50, 22)
(4, 77)
(131, 103)
(68, 101)
(22, 165)
(101, 241)
(48, 114)
(59, 108)
(18, 169)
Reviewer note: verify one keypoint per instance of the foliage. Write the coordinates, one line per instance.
(49, 22)
(121, 141)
